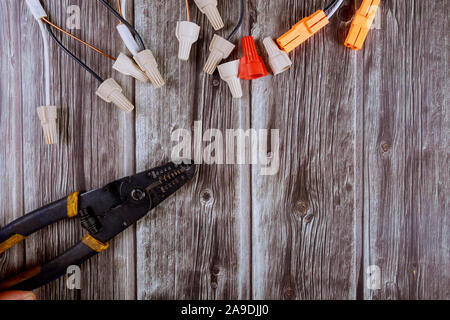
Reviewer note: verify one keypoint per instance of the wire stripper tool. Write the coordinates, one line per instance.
(104, 213)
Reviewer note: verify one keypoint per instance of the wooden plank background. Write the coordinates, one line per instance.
(363, 176)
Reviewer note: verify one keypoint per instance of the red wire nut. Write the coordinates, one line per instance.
(252, 65)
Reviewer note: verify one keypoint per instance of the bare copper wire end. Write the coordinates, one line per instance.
(77, 39)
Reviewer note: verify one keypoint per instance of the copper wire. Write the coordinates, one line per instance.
(187, 11)
(78, 39)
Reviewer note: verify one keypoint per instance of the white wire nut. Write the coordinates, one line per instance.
(48, 116)
(147, 62)
(229, 72)
(209, 7)
(36, 9)
(127, 66)
(110, 91)
(187, 34)
(128, 39)
(278, 60)
(220, 49)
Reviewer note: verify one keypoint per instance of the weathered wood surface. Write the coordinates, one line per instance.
(406, 152)
(363, 176)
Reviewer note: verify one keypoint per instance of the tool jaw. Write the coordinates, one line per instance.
(108, 211)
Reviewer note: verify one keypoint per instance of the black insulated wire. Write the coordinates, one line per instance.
(239, 24)
(330, 5)
(71, 55)
(125, 22)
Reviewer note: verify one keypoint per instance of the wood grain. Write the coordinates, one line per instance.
(11, 181)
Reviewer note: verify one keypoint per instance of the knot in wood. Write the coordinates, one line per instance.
(206, 197)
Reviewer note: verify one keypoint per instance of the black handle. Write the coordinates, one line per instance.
(34, 221)
(41, 275)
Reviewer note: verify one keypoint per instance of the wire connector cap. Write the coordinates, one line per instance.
(187, 34)
(252, 65)
(220, 49)
(229, 72)
(111, 92)
(278, 60)
(361, 24)
(147, 62)
(302, 31)
(127, 66)
(209, 7)
(48, 116)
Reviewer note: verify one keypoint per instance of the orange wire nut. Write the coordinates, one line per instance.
(302, 31)
(147, 62)
(361, 24)
(252, 65)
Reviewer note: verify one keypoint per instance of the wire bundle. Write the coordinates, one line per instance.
(143, 65)
(51, 25)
